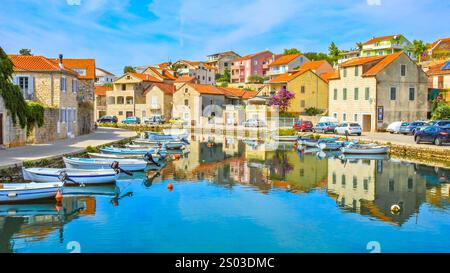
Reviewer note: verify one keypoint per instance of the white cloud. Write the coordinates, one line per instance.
(74, 2)
(373, 2)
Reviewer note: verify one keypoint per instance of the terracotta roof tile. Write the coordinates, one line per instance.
(166, 88)
(37, 63)
(163, 74)
(439, 41)
(330, 75)
(207, 89)
(361, 60)
(186, 78)
(382, 64)
(286, 77)
(381, 38)
(249, 56)
(437, 69)
(285, 59)
(312, 65)
(88, 64)
(145, 77)
(101, 90)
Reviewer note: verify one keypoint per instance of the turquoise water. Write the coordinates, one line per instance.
(236, 198)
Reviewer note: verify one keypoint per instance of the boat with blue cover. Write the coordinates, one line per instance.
(105, 163)
(100, 176)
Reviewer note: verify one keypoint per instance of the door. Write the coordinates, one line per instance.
(367, 123)
(129, 114)
(1, 129)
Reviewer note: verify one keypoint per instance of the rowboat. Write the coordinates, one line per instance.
(364, 156)
(313, 142)
(334, 145)
(127, 151)
(26, 192)
(144, 143)
(165, 138)
(156, 157)
(101, 190)
(285, 138)
(104, 163)
(365, 149)
(100, 176)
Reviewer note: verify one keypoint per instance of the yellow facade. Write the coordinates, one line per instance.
(310, 91)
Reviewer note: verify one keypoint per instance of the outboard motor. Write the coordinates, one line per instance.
(64, 178)
(115, 166)
(149, 158)
(185, 141)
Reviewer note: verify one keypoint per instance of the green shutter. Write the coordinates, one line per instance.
(367, 93)
(345, 94)
(356, 93)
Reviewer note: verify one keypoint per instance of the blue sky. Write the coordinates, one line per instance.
(141, 32)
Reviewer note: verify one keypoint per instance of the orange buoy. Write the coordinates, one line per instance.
(58, 196)
(176, 157)
(170, 186)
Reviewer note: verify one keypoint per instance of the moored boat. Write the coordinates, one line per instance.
(365, 149)
(284, 138)
(104, 163)
(127, 151)
(100, 176)
(156, 157)
(27, 192)
(144, 143)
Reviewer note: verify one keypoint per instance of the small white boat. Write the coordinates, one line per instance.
(27, 192)
(100, 176)
(365, 149)
(156, 157)
(101, 190)
(285, 138)
(170, 145)
(364, 156)
(104, 163)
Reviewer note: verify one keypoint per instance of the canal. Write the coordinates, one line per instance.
(229, 196)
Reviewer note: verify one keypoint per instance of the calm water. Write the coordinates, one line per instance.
(232, 197)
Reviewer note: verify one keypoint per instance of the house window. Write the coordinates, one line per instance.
(356, 70)
(367, 93)
(344, 117)
(334, 178)
(23, 83)
(345, 72)
(124, 87)
(366, 184)
(129, 100)
(355, 182)
(345, 94)
(302, 89)
(302, 103)
(74, 85)
(63, 85)
(335, 115)
(403, 70)
(120, 100)
(393, 93)
(391, 185)
(356, 93)
(412, 93)
(355, 117)
(80, 71)
(186, 102)
(343, 180)
(410, 183)
(111, 100)
(154, 100)
(120, 113)
(186, 91)
(335, 94)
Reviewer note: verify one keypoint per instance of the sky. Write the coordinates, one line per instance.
(143, 32)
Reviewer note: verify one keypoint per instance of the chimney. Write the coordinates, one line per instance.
(61, 61)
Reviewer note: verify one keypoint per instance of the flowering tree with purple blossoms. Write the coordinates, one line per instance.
(281, 99)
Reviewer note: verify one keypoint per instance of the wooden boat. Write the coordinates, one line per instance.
(100, 176)
(27, 192)
(127, 151)
(365, 149)
(104, 163)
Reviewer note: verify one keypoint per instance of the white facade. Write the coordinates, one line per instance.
(102, 77)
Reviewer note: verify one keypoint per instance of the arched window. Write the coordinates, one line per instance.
(120, 100)
(111, 100)
(129, 100)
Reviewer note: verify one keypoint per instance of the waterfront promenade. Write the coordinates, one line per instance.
(15, 156)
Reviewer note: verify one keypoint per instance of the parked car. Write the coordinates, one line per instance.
(131, 120)
(303, 126)
(411, 127)
(394, 127)
(107, 119)
(348, 128)
(155, 119)
(324, 127)
(253, 123)
(434, 134)
(434, 123)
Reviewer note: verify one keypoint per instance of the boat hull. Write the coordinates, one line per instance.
(28, 192)
(105, 163)
(102, 176)
(365, 151)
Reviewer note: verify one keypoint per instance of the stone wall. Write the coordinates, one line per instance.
(85, 113)
(12, 135)
(48, 132)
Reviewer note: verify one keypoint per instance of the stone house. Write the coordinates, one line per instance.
(52, 84)
(311, 91)
(285, 63)
(161, 74)
(127, 97)
(100, 100)
(85, 95)
(10, 135)
(222, 61)
(159, 99)
(204, 73)
(375, 91)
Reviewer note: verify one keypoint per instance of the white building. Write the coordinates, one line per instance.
(204, 73)
(102, 76)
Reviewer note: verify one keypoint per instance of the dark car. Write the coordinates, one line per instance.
(440, 123)
(303, 126)
(434, 134)
(107, 119)
(324, 127)
(410, 127)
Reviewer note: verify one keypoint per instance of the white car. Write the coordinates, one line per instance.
(348, 128)
(253, 123)
(394, 127)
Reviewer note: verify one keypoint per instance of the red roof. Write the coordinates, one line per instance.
(186, 78)
(226, 91)
(437, 69)
(285, 59)
(101, 90)
(166, 88)
(382, 64)
(236, 92)
(330, 75)
(145, 77)
(362, 60)
(207, 89)
(381, 38)
(286, 77)
(313, 65)
(162, 73)
(37, 63)
(249, 56)
(88, 64)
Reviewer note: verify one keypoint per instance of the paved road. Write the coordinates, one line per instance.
(397, 139)
(15, 156)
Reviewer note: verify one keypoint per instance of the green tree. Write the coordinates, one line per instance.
(25, 52)
(359, 46)
(417, 48)
(442, 111)
(128, 68)
(290, 51)
(225, 77)
(255, 79)
(317, 56)
(333, 52)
